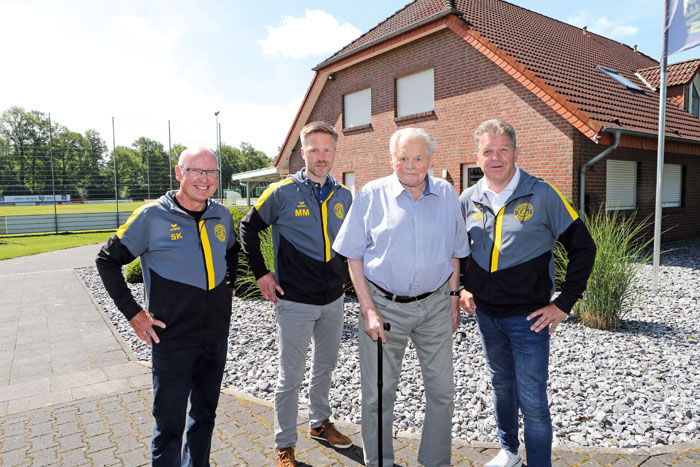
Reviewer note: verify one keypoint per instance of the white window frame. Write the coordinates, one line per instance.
(349, 181)
(466, 168)
(694, 85)
(672, 189)
(620, 185)
(415, 93)
(357, 108)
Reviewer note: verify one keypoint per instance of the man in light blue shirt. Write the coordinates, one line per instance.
(403, 238)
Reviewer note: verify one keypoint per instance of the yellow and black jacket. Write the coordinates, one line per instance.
(511, 271)
(189, 269)
(303, 230)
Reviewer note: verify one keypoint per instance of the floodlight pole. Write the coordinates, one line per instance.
(116, 178)
(218, 149)
(53, 180)
(170, 157)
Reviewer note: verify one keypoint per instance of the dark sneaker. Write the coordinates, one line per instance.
(328, 432)
(285, 457)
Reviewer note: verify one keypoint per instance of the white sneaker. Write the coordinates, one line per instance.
(505, 458)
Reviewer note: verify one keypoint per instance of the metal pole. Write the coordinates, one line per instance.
(221, 165)
(148, 177)
(116, 178)
(218, 155)
(170, 157)
(660, 152)
(53, 181)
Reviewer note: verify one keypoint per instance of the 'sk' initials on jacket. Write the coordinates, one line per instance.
(189, 269)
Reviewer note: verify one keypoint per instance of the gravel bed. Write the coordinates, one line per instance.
(637, 386)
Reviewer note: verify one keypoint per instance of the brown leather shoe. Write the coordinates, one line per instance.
(328, 432)
(285, 457)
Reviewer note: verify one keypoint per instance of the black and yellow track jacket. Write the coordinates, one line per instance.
(303, 230)
(188, 269)
(511, 271)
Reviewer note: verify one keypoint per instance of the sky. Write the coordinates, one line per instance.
(149, 62)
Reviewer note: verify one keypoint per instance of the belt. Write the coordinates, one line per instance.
(400, 298)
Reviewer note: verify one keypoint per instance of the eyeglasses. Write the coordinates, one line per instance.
(207, 172)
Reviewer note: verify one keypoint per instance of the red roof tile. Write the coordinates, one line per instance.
(676, 74)
(563, 56)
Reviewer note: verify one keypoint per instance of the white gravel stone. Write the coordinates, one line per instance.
(637, 386)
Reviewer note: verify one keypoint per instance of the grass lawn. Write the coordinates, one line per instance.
(68, 208)
(12, 247)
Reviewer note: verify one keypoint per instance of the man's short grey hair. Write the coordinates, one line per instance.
(495, 127)
(406, 133)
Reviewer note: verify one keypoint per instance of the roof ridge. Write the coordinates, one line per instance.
(367, 32)
(670, 64)
(577, 28)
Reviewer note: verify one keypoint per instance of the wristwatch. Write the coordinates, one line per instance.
(454, 293)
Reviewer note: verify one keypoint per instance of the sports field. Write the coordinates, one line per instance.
(67, 208)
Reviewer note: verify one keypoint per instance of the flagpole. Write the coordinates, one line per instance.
(660, 151)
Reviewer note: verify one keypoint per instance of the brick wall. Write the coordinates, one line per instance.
(684, 221)
(468, 90)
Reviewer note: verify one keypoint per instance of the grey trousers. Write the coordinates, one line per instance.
(297, 325)
(428, 323)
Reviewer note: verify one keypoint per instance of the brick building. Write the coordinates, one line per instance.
(446, 66)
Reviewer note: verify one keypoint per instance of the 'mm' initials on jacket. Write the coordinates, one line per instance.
(301, 210)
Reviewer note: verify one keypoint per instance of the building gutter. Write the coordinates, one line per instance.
(618, 132)
(599, 157)
(441, 14)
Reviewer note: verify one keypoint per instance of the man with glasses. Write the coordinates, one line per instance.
(305, 211)
(188, 252)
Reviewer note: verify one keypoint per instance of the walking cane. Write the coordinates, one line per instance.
(380, 383)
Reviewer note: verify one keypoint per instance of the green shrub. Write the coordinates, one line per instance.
(621, 251)
(133, 273)
(246, 286)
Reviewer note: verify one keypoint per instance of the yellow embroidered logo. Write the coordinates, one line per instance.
(339, 210)
(176, 236)
(301, 210)
(174, 227)
(478, 216)
(523, 212)
(220, 232)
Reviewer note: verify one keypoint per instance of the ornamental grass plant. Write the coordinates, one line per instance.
(621, 252)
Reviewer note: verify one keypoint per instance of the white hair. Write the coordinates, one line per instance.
(406, 133)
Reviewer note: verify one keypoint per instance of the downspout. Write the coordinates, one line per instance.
(597, 158)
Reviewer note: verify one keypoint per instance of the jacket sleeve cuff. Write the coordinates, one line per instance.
(258, 269)
(565, 303)
(130, 309)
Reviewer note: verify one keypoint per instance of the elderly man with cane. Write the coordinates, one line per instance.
(403, 238)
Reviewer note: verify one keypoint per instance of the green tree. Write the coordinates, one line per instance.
(237, 160)
(155, 160)
(131, 173)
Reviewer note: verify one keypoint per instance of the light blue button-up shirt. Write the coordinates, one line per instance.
(406, 245)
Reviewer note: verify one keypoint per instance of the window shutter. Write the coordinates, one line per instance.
(415, 93)
(671, 189)
(358, 108)
(621, 185)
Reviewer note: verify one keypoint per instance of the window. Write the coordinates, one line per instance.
(349, 181)
(358, 108)
(415, 93)
(614, 74)
(621, 185)
(470, 175)
(672, 186)
(694, 98)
